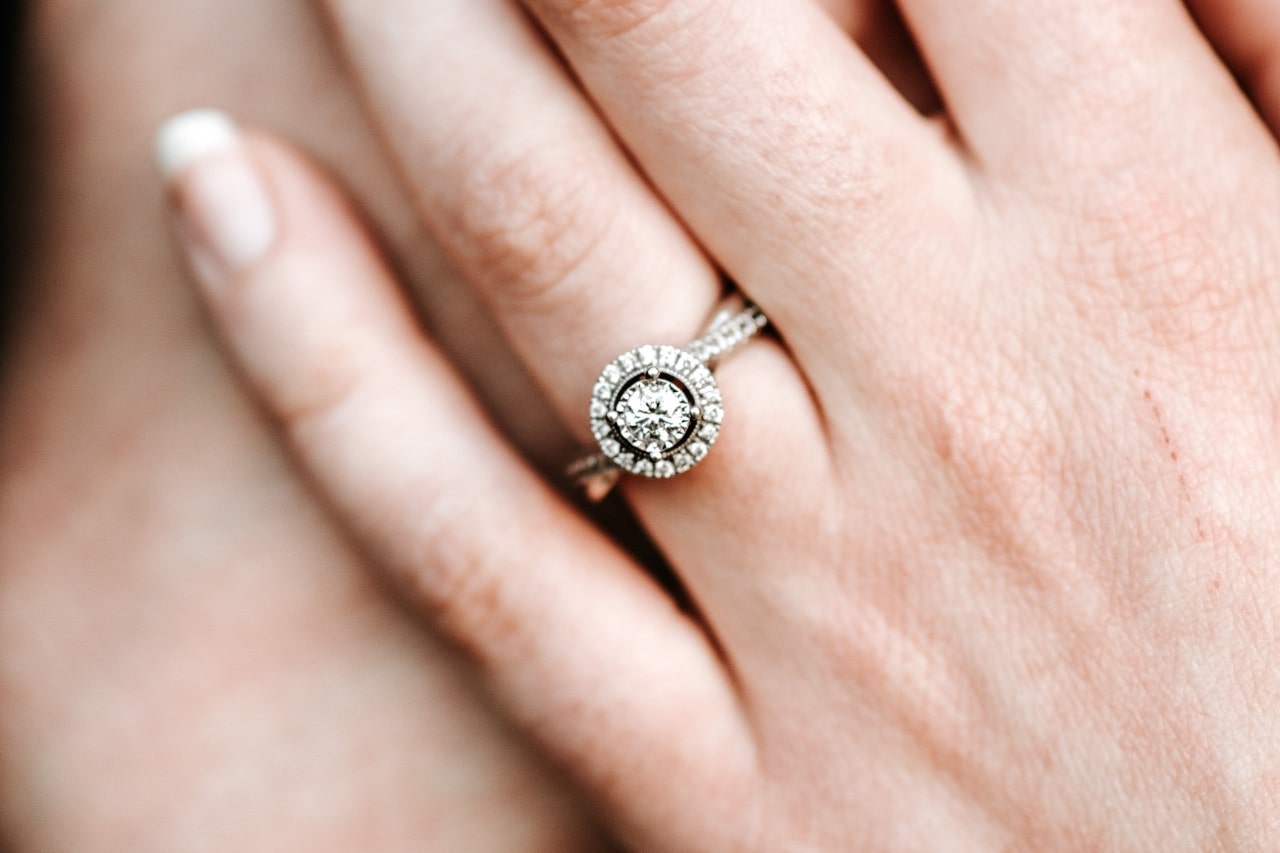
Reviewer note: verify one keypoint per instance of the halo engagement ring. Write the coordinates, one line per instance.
(656, 410)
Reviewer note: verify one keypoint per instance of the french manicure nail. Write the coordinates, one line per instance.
(227, 220)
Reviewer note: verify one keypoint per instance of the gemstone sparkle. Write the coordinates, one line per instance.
(654, 412)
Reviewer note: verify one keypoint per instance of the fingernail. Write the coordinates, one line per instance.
(226, 218)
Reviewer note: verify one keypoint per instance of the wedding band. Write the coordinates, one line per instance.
(656, 411)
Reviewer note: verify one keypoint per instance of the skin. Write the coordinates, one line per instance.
(1012, 582)
(191, 656)
(109, 523)
(144, 501)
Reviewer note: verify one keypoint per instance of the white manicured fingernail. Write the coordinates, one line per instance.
(226, 216)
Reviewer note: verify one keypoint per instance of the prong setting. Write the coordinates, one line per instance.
(653, 418)
(657, 410)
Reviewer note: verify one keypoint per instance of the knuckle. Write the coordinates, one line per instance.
(532, 222)
(317, 388)
(463, 585)
(303, 369)
(998, 435)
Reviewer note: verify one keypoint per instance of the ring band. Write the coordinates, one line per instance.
(657, 410)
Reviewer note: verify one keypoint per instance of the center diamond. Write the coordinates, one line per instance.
(653, 415)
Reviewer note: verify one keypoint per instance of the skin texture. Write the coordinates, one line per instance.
(180, 625)
(1011, 585)
(191, 563)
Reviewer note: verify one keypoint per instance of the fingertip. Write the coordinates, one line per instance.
(189, 137)
(227, 218)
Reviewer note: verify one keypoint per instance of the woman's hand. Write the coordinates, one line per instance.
(986, 555)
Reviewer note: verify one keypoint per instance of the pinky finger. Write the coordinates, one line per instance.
(580, 646)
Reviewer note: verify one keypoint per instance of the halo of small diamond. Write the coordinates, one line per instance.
(662, 397)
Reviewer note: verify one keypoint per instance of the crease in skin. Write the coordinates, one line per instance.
(1138, 730)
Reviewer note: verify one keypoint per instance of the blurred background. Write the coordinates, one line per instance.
(10, 160)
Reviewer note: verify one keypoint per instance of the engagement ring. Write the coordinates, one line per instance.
(657, 410)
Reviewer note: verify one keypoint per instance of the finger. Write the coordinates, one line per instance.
(1246, 33)
(781, 145)
(1036, 84)
(578, 259)
(584, 649)
(541, 210)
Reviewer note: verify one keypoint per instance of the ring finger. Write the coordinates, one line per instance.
(527, 190)
(578, 259)
(791, 157)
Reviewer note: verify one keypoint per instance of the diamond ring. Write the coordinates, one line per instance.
(656, 410)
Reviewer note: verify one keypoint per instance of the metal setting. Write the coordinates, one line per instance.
(656, 411)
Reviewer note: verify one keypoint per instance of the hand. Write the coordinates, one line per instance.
(985, 552)
(191, 657)
(159, 519)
